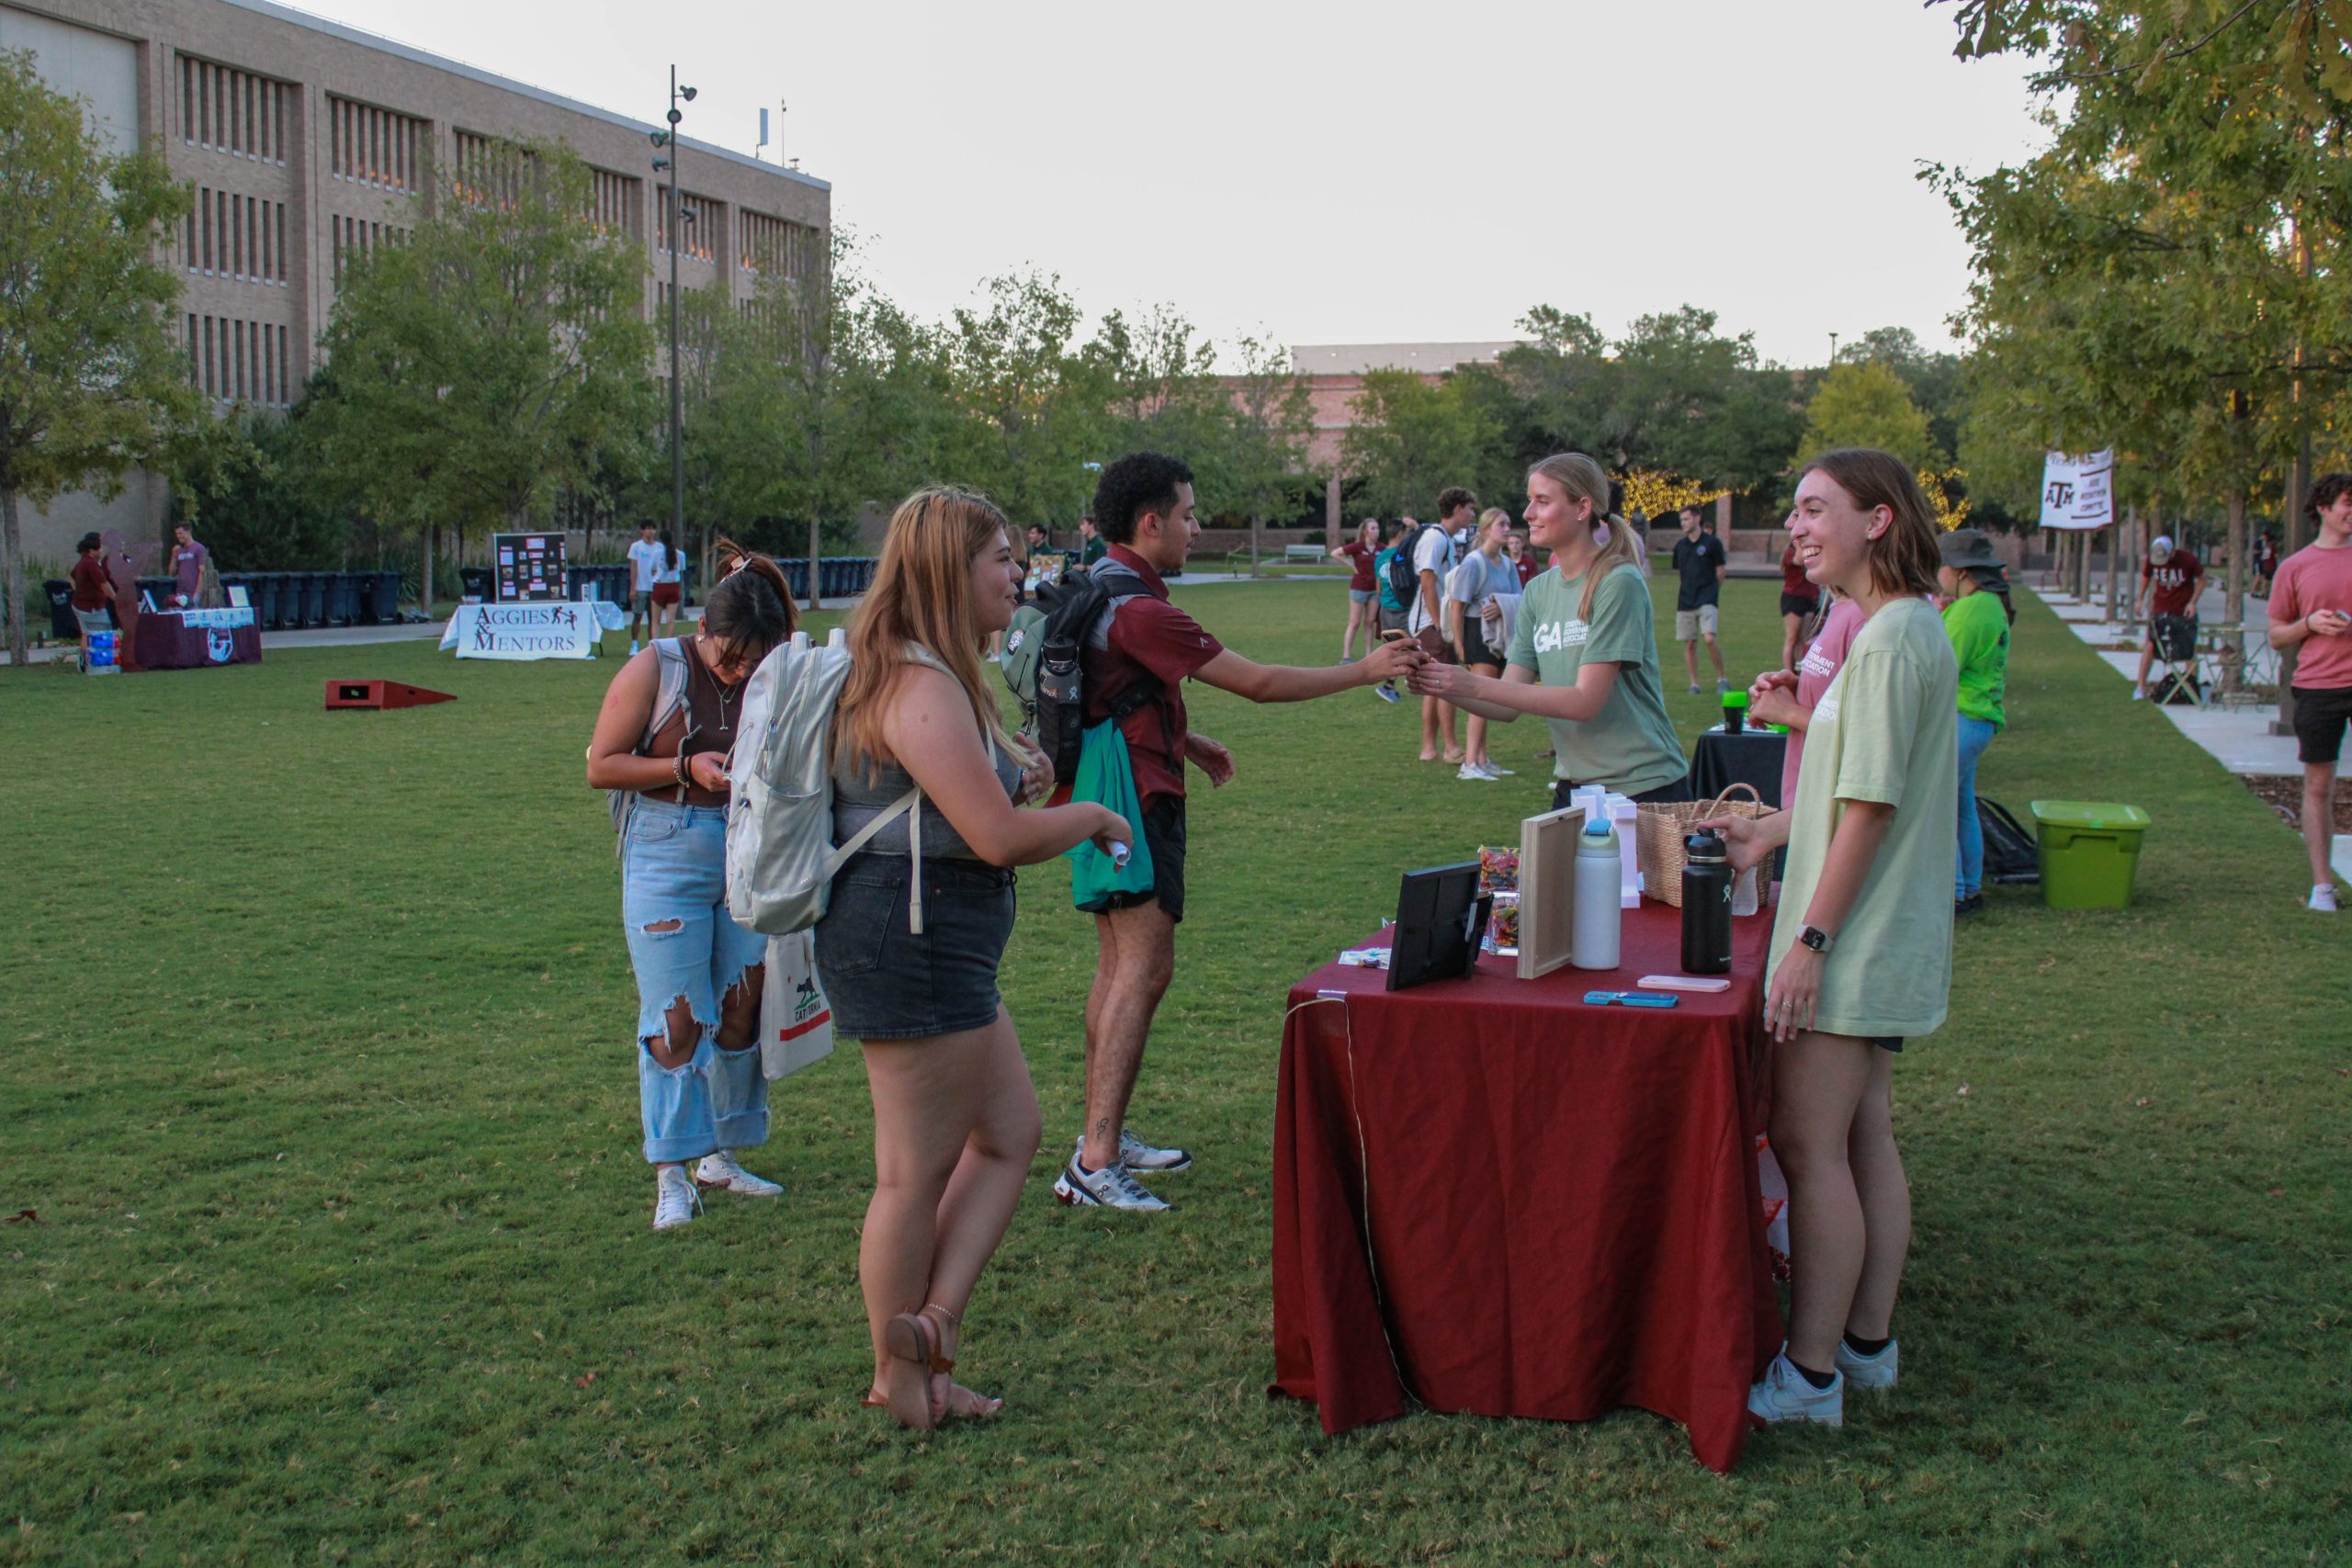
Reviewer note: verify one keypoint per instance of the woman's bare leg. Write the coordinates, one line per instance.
(1819, 1083)
(955, 1125)
(1886, 1204)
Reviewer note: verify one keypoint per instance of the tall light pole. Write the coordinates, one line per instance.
(1833, 350)
(673, 232)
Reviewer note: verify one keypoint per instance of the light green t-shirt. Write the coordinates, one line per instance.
(1979, 629)
(1887, 729)
(1630, 747)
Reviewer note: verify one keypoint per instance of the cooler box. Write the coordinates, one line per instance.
(2088, 852)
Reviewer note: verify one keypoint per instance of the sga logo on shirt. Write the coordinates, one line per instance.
(1551, 637)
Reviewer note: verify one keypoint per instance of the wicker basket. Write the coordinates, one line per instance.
(1658, 833)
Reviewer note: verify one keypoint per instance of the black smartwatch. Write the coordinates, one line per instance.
(1816, 938)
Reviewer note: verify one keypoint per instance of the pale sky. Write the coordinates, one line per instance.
(1370, 172)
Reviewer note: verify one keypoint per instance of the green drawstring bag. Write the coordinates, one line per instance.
(1105, 777)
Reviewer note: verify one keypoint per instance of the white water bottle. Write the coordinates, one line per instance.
(1594, 924)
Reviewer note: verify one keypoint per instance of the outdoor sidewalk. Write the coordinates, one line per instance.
(2237, 738)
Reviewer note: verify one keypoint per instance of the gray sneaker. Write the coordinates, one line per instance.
(1868, 1372)
(1138, 1156)
(1786, 1394)
(1112, 1187)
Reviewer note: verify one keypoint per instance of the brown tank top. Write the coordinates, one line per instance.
(706, 723)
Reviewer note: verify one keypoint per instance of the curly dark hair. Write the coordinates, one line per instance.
(1133, 485)
(2324, 490)
(1452, 498)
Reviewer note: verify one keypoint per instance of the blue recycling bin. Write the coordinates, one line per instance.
(343, 598)
(795, 574)
(314, 598)
(388, 597)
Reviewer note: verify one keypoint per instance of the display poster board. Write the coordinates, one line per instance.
(529, 567)
(1547, 889)
(2078, 490)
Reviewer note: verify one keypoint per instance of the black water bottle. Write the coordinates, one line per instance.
(1706, 904)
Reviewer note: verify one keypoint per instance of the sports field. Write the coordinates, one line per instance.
(325, 1105)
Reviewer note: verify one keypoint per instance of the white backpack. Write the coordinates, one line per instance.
(780, 855)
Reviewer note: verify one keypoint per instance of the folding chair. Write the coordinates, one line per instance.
(2175, 641)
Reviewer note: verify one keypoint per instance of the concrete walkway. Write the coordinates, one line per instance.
(2238, 737)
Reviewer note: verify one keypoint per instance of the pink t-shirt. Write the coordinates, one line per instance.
(1815, 671)
(2314, 579)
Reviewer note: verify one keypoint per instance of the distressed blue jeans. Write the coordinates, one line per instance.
(683, 943)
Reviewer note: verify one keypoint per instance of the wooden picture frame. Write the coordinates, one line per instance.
(1547, 889)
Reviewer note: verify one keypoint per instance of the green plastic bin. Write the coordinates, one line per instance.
(2089, 851)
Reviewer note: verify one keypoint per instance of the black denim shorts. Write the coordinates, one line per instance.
(1163, 834)
(886, 983)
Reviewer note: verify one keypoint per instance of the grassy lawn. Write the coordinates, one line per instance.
(328, 1114)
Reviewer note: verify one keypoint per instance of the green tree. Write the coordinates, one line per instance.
(1868, 405)
(92, 382)
(493, 361)
(1934, 377)
(1039, 401)
(1259, 438)
(1412, 439)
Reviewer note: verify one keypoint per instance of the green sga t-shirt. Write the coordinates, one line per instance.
(1630, 747)
(1887, 729)
(1979, 629)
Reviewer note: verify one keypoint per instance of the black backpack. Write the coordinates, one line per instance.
(1044, 659)
(2012, 854)
(1404, 581)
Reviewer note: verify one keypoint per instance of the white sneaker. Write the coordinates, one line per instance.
(1137, 1155)
(1723, 684)
(1868, 1372)
(1497, 771)
(1786, 1394)
(1112, 1187)
(2322, 900)
(674, 1199)
(2139, 696)
(720, 1170)
(1474, 773)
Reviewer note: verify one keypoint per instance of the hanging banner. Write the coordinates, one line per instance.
(2078, 490)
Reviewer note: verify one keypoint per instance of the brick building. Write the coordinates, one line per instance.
(303, 143)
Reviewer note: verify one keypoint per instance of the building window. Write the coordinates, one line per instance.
(238, 112)
(491, 169)
(612, 202)
(701, 237)
(234, 235)
(774, 247)
(369, 146)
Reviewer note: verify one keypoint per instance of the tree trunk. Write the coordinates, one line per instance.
(12, 569)
(425, 597)
(2115, 557)
(816, 600)
(1254, 527)
(2233, 606)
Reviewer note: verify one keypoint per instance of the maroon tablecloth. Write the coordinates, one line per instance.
(1499, 1199)
(167, 642)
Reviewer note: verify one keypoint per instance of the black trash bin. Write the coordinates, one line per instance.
(388, 597)
(362, 598)
(61, 622)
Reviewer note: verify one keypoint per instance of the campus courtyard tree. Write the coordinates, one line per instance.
(92, 380)
(495, 360)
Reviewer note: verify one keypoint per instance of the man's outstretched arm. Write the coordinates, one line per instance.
(1229, 671)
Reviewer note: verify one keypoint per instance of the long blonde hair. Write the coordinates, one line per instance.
(1581, 479)
(921, 593)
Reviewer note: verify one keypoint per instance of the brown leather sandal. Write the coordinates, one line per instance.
(974, 1405)
(912, 1342)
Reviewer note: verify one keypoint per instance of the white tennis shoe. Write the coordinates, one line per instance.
(720, 1170)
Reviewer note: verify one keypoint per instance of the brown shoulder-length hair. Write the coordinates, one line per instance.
(750, 609)
(1904, 558)
(921, 593)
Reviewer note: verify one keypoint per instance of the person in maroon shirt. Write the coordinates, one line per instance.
(2170, 580)
(90, 589)
(1363, 587)
(1144, 506)
(1799, 600)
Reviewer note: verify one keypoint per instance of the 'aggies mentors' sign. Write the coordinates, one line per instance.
(563, 630)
